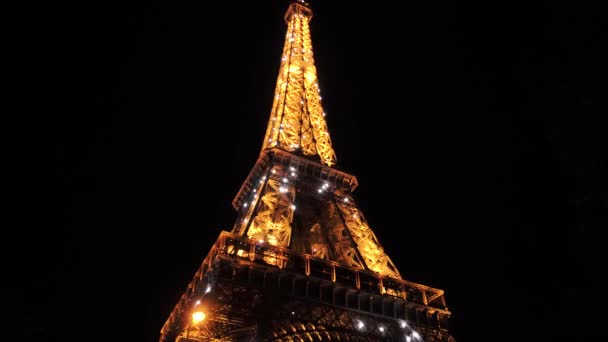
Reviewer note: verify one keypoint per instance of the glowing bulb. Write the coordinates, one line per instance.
(284, 180)
(360, 325)
(292, 168)
(245, 205)
(320, 190)
(198, 317)
(345, 200)
(381, 328)
(408, 339)
(293, 174)
(403, 324)
(198, 302)
(261, 241)
(416, 335)
(293, 207)
(208, 289)
(323, 113)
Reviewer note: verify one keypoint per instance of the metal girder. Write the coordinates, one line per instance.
(341, 241)
(273, 212)
(365, 239)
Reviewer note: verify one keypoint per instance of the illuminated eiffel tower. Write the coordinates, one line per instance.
(301, 262)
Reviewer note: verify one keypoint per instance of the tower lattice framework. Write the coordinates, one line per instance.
(301, 262)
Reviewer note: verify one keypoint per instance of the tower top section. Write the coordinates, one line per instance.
(304, 6)
(297, 120)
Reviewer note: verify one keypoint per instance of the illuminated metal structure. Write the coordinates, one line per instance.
(301, 262)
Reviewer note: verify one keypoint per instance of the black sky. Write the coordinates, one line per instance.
(475, 130)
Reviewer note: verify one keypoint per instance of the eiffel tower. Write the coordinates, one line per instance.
(301, 262)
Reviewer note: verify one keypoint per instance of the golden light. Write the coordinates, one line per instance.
(297, 96)
(198, 317)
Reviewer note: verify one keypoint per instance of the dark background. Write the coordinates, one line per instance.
(474, 129)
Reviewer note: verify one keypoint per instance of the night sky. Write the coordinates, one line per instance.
(473, 128)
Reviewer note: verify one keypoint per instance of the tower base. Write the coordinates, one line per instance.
(250, 291)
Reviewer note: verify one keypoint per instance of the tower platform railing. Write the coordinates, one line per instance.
(240, 249)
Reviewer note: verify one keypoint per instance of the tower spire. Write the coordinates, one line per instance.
(297, 120)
